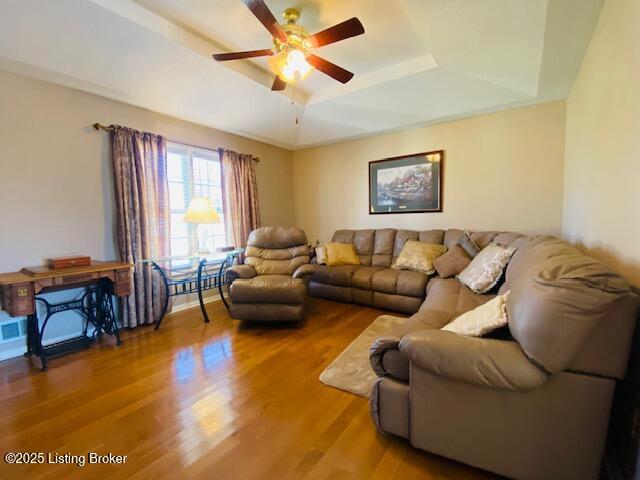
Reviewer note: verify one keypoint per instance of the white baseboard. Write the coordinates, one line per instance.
(192, 304)
(12, 353)
(19, 351)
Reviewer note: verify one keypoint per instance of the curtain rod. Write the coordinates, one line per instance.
(109, 128)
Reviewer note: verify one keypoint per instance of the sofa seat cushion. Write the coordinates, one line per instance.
(449, 295)
(400, 282)
(268, 289)
(363, 277)
(340, 275)
(429, 318)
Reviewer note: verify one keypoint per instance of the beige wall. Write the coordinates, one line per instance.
(55, 175)
(602, 176)
(502, 171)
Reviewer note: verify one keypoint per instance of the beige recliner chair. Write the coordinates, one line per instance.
(263, 288)
(532, 406)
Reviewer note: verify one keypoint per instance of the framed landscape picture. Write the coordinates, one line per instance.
(407, 184)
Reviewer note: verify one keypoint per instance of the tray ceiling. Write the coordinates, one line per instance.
(419, 62)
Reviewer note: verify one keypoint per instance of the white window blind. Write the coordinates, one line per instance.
(193, 172)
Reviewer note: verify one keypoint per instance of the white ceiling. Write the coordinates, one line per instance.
(419, 62)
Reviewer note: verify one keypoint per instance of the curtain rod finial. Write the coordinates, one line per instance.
(99, 126)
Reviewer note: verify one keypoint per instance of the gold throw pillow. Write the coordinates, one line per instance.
(341, 254)
(419, 256)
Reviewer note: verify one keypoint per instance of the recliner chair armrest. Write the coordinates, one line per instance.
(241, 271)
(306, 270)
(482, 361)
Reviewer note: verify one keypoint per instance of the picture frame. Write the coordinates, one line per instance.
(406, 184)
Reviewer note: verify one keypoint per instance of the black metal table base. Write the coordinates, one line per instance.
(95, 307)
(200, 282)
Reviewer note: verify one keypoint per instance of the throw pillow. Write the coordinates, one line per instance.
(418, 256)
(452, 263)
(481, 320)
(486, 268)
(321, 255)
(469, 245)
(341, 254)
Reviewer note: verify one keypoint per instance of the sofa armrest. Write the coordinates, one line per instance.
(241, 271)
(481, 361)
(306, 270)
(379, 347)
(390, 341)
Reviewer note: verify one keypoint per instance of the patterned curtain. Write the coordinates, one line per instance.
(241, 210)
(143, 220)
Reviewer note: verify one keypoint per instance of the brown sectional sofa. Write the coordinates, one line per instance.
(531, 403)
(374, 282)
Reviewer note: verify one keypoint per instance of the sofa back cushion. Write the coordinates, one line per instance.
(402, 237)
(277, 250)
(481, 239)
(383, 243)
(426, 236)
(362, 240)
(559, 297)
(381, 248)
(432, 236)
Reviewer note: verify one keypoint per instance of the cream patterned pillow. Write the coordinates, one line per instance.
(486, 268)
(321, 255)
(418, 256)
(481, 320)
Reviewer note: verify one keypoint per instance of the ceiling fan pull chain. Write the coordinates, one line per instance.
(293, 104)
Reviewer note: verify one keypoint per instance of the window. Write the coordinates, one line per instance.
(193, 172)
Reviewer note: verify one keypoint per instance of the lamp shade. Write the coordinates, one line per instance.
(201, 211)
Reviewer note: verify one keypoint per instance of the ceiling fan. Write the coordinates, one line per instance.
(292, 46)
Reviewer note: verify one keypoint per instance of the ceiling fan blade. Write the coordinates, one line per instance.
(266, 18)
(331, 69)
(278, 84)
(347, 29)
(223, 57)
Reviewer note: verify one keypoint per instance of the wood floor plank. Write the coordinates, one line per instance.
(220, 401)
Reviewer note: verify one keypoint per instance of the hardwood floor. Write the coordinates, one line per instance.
(217, 401)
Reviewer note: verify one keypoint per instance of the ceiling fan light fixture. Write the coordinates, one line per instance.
(288, 65)
(288, 74)
(296, 59)
(291, 54)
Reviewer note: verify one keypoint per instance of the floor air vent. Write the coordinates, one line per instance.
(11, 330)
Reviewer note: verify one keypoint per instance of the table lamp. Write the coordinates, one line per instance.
(201, 211)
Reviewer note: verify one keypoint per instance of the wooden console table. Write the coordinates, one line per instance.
(19, 292)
